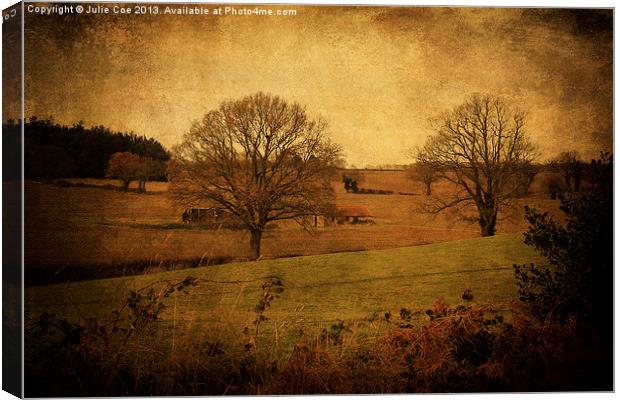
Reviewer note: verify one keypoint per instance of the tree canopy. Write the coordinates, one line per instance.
(259, 158)
(481, 146)
(128, 167)
(55, 151)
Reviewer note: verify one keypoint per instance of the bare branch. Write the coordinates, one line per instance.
(260, 158)
(482, 147)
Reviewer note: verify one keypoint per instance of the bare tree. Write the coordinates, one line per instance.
(480, 146)
(259, 158)
(526, 173)
(423, 170)
(148, 169)
(571, 167)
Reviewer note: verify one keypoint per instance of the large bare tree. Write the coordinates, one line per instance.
(259, 158)
(481, 146)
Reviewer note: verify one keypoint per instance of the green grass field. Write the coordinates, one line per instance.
(319, 289)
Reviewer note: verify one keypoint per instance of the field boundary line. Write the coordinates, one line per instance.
(384, 278)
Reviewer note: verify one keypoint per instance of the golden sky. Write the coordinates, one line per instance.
(376, 74)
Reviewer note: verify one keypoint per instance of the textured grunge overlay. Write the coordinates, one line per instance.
(375, 73)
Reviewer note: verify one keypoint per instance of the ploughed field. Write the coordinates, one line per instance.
(357, 288)
(94, 226)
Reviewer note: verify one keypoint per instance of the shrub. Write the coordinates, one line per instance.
(95, 357)
(578, 280)
(576, 288)
(554, 186)
(463, 348)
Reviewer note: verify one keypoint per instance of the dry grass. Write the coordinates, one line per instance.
(327, 333)
(318, 289)
(357, 288)
(88, 225)
(463, 348)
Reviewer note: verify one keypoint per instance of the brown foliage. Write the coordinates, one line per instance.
(128, 166)
(460, 349)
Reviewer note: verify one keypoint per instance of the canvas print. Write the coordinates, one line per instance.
(254, 199)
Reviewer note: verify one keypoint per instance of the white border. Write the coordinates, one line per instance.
(484, 3)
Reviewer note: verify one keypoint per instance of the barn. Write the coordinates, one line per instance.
(349, 214)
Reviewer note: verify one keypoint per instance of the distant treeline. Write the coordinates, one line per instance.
(59, 151)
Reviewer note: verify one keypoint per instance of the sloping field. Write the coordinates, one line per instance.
(88, 226)
(318, 290)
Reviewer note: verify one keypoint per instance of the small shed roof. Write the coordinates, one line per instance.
(353, 211)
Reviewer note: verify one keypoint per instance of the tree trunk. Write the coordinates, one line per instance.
(255, 236)
(428, 188)
(486, 229)
(487, 221)
(126, 185)
(577, 179)
(567, 180)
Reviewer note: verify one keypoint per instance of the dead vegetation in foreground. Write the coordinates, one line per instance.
(458, 348)
(82, 227)
(559, 338)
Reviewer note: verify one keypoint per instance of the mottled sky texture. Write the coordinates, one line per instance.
(376, 74)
